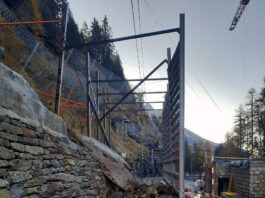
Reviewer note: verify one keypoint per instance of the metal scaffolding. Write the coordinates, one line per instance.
(95, 108)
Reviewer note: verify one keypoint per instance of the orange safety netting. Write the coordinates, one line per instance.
(67, 102)
(63, 106)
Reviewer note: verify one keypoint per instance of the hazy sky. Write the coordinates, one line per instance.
(219, 63)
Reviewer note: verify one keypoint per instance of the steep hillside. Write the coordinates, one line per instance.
(37, 159)
(38, 63)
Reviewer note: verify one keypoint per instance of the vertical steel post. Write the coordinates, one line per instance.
(61, 57)
(109, 126)
(171, 166)
(182, 104)
(98, 120)
(87, 93)
(168, 55)
(104, 108)
(97, 102)
(109, 123)
(105, 120)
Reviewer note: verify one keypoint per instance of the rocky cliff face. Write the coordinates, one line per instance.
(17, 97)
(39, 66)
(38, 160)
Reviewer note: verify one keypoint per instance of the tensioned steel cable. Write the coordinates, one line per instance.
(136, 43)
(141, 40)
(156, 18)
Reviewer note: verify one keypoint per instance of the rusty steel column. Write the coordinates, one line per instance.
(98, 120)
(97, 103)
(109, 121)
(104, 103)
(87, 93)
(109, 126)
(104, 110)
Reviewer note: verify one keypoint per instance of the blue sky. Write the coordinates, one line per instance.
(225, 64)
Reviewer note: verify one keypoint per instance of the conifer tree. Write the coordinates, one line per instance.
(251, 118)
(262, 113)
(95, 36)
(85, 33)
(107, 49)
(73, 35)
(239, 128)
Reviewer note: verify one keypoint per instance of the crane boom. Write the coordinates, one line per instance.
(239, 12)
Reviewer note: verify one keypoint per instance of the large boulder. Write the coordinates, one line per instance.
(115, 168)
(18, 99)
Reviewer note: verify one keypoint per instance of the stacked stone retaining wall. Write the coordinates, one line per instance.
(257, 178)
(36, 163)
(241, 181)
(250, 181)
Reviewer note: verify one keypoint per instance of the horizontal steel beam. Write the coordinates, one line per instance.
(95, 43)
(126, 80)
(123, 93)
(138, 110)
(134, 102)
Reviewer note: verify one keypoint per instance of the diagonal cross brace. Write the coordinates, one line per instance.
(98, 120)
(132, 90)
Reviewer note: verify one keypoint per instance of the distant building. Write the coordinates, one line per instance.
(246, 176)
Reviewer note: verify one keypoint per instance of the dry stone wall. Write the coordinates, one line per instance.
(248, 177)
(35, 163)
(249, 181)
(241, 180)
(257, 178)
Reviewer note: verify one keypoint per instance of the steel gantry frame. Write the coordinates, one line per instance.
(173, 111)
(63, 48)
(101, 120)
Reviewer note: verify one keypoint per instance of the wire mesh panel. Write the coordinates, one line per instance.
(173, 118)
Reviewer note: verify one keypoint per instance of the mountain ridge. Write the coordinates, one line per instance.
(192, 138)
